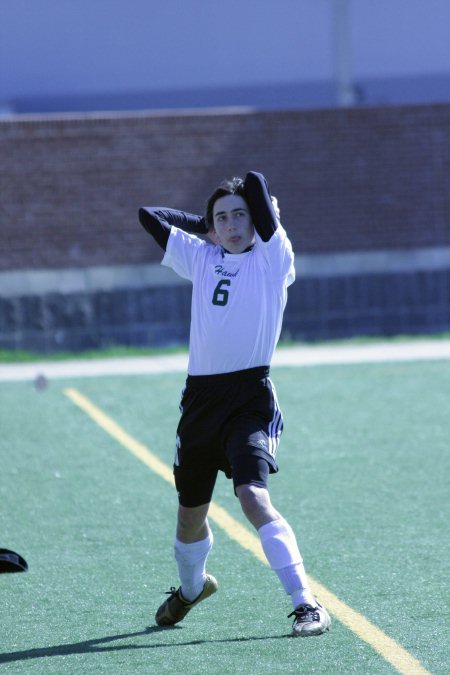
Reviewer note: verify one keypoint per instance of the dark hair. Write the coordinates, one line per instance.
(235, 186)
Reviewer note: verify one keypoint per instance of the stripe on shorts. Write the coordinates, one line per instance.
(276, 425)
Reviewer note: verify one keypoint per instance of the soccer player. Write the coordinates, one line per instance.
(230, 418)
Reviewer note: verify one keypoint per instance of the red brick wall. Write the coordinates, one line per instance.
(365, 178)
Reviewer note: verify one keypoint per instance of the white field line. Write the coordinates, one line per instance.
(284, 356)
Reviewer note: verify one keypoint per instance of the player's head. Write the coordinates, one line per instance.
(235, 186)
(229, 218)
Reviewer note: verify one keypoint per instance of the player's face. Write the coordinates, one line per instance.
(232, 223)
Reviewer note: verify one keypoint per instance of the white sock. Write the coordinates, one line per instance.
(281, 550)
(191, 561)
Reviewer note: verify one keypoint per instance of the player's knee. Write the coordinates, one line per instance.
(249, 497)
(255, 503)
(192, 523)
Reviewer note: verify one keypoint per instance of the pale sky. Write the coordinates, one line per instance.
(83, 46)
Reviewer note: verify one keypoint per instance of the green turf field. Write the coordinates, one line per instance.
(364, 478)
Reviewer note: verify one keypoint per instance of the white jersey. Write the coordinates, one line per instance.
(238, 300)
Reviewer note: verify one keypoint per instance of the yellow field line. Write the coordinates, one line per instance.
(388, 648)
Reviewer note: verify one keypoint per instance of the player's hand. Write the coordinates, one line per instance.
(276, 208)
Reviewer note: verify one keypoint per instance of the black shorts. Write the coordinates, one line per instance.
(226, 421)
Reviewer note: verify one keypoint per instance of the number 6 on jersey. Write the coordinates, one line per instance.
(220, 295)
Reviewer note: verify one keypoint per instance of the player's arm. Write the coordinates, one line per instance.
(157, 221)
(262, 209)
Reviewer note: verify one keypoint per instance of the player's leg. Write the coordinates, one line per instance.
(250, 475)
(251, 449)
(193, 542)
(192, 523)
(279, 544)
(192, 545)
(253, 494)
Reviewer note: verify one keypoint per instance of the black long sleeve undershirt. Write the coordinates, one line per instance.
(158, 220)
(257, 196)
